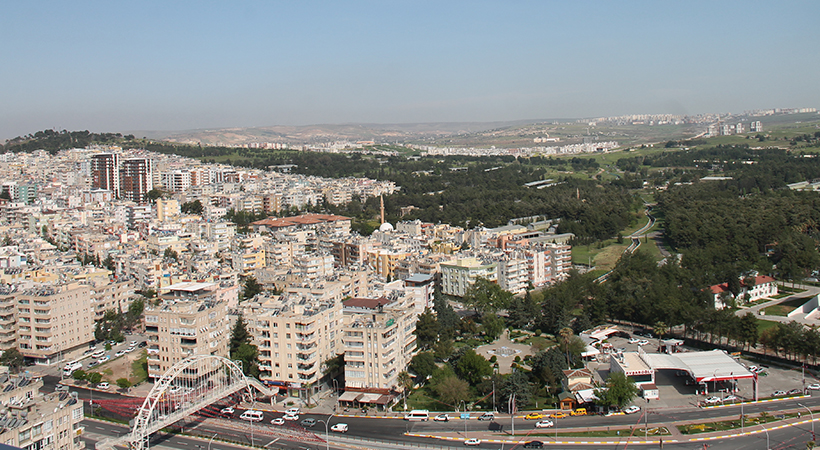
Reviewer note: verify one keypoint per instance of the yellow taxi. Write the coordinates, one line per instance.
(535, 416)
(558, 415)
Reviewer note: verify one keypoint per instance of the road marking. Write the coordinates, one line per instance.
(271, 442)
(99, 428)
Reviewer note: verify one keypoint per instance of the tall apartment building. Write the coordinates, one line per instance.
(167, 209)
(295, 336)
(52, 320)
(105, 173)
(378, 342)
(32, 420)
(8, 319)
(136, 179)
(457, 276)
(190, 321)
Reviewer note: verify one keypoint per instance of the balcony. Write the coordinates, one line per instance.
(306, 357)
(305, 346)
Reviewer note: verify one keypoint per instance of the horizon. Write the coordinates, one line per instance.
(189, 66)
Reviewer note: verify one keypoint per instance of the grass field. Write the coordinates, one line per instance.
(783, 309)
(763, 325)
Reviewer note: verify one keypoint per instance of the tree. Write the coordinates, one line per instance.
(452, 390)
(194, 207)
(484, 296)
(13, 359)
(171, 254)
(79, 375)
(123, 383)
(519, 384)
(406, 383)
(423, 365)
(619, 391)
(473, 367)
(241, 349)
(427, 330)
(566, 334)
(94, 377)
(492, 325)
(660, 328)
(443, 349)
(251, 287)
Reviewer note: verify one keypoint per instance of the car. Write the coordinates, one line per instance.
(291, 417)
(309, 422)
(813, 387)
(778, 393)
(643, 342)
(558, 415)
(730, 398)
(712, 400)
(534, 444)
(228, 410)
(119, 353)
(142, 344)
(632, 409)
(753, 368)
(441, 418)
(132, 344)
(61, 388)
(614, 413)
(535, 416)
(293, 411)
(104, 359)
(103, 385)
(129, 349)
(278, 421)
(92, 364)
(579, 412)
(472, 441)
(634, 340)
(620, 350)
(175, 389)
(487, 416)
(339, 427)
(794, 392)
(544, 424)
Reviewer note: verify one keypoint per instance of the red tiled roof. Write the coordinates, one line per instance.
(719, 288)
(304, 219)
(369, 303)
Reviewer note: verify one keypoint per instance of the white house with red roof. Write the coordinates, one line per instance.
(763, 286)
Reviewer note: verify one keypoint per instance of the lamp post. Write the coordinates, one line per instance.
(767, 436)
(210, 440)
(646, 421)
(494, 410)
(327, 433)
(812, 419)
(511, 407)
(336, 391)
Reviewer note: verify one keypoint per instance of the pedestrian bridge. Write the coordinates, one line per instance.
(184, 389)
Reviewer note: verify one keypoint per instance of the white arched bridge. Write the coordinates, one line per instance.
(186, 387)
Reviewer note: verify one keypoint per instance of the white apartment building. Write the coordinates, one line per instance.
(512, 272)
(378, 342)
(190, 321)
(458, 275)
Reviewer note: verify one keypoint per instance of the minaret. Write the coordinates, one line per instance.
(381, 207)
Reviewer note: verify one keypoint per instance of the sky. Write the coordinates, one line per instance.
(110, 66)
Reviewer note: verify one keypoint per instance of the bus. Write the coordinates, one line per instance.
(418, 414)
(71, 367)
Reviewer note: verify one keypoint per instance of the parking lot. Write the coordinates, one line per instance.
(676, 392)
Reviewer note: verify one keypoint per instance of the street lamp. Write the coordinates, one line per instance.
(812, 419)
(210, 440)
(327, 433)
(511, 407)
(767, 436)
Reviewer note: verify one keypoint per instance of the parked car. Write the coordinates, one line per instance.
(61, 388)
(103, 385)
(534, 444)
(632, 409)
(309, 422)
(104, 359)
(535, 416)
(472, 441)
(119, 353)
(712, 400)
(544, 424)
(278, 421)
(175, 389)
(643, 342)
(441, 418)
(778, 393)
(228, 410)
(142, 344)
(339, 427)
(813, 387)
(634, 340)
(93, 363)
(795, 392)
(730, 398)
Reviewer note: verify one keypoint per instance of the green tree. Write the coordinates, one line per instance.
(13, 359)
(618, 391)
(406, 383)
(423, 365)
(566, 335)
(492, 325)
(519, 384)
(452, 390)
(171, 254)
(79, 375)
(94, 378)
(241, 349)
(660, 329)
(194, 207)
(484, 297)
(427, 330)
(123, 383)
(443, 349)
(250, 288)
(473, 367)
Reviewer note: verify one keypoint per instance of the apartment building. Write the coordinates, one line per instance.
(167, 209)
(32, 420)
(105, 173)
(457, 276)
(8, 319)
(136, 179)
(190, 321)
(512, 272)
(295, 335)
(378, 342)
(53, 319)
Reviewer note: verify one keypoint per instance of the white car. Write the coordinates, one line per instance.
(103, 385)
(643, 342)
(730, 398)
(544, 424)
(175, 389)
(290, 417)
(634, 340)
(293, 411)
(441, 418)
(339, 427)
(278, 421)
(778, 393)
(813, 387)
(228, 410)
(119, 353)
(472, 442)
(712, 400)
(632, 409)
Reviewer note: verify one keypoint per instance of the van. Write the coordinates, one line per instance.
(70, 368)
(487, 416)
(579, 412)
(252, 415)
(417, 415)
(98, 354)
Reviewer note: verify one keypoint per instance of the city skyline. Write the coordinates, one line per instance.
(155, 66)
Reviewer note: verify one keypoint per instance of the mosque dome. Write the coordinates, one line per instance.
(385, 227)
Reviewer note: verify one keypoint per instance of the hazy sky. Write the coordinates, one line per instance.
(172, 65)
